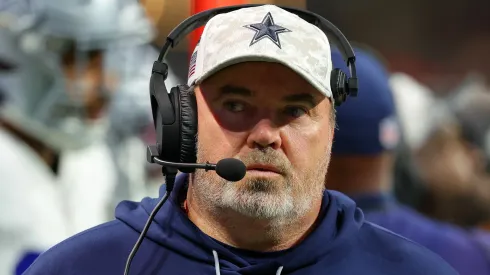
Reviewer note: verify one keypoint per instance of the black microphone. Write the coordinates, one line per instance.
(230, 169)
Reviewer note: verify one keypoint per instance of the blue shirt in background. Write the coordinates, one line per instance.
(460, 248)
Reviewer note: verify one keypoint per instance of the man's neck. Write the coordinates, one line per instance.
(237, 230)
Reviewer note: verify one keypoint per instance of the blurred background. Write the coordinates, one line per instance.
(76, 117)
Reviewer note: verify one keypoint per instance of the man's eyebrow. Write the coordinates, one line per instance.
(234, 90)
(305, 98)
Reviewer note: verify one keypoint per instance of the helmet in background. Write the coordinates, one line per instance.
(36, 41)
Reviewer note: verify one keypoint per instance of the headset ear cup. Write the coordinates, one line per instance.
(169, 136)
(166, 117)
(188, 139)
(338, 84)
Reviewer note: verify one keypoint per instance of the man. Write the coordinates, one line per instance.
(362, 164)
(254, 106)
(471, 108)
(32, 218)
(453, 132)
(57, 174)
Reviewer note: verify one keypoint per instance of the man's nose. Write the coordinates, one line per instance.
(265, 134)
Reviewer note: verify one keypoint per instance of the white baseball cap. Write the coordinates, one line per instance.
(263, 33)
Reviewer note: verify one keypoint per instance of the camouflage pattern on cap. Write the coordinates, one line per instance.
(263, 33)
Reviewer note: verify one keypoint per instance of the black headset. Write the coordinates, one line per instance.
(175, 113)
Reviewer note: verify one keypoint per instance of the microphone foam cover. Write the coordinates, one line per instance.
(231, 169)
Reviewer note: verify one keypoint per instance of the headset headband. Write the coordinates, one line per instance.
(200, 19)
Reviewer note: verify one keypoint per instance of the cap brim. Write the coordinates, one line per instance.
(257, 58)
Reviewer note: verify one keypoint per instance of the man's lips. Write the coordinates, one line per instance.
(263, 168)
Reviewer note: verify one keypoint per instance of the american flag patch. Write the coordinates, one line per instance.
(192, 67)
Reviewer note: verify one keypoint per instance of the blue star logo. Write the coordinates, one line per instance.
(267, 29)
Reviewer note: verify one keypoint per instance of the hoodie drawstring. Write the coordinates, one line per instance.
(216, 264)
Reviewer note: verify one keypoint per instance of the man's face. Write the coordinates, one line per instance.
(445, 163)
(279, 125)
(89, 83)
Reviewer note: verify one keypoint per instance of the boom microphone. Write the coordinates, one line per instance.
(230, 169)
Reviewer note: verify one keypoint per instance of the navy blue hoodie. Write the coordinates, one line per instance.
(342, 243)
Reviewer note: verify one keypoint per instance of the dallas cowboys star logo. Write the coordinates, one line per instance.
(267, 29)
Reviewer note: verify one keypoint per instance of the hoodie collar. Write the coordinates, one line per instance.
(337, 221)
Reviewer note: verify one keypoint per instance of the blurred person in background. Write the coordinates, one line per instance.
(362, 164)
(470, 105)
(447, 150)
(58, 175)
(32, 216)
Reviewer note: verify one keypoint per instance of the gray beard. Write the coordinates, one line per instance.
(280, 201)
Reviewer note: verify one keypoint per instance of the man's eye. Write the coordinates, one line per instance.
(234, 106)
(295, 111)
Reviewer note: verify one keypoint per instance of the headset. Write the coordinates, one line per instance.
(175, 113)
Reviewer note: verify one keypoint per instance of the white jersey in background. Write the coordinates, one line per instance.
(31, 205)
(87, 179)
